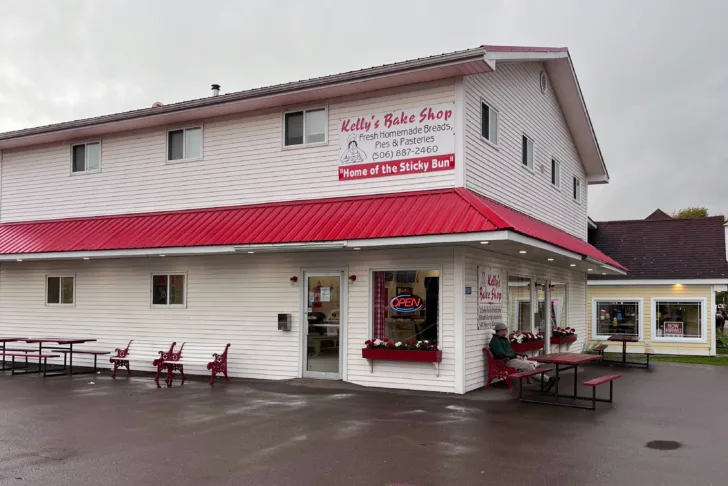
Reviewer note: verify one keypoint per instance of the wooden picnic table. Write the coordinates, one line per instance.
(624, 339)
(67, 351)
(564, 362)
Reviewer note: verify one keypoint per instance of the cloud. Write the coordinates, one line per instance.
(651, 70)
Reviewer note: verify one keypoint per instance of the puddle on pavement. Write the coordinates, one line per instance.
(663, 445)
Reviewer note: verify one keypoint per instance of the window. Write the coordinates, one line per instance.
(86, 157)
(558, 306)
(168, 290)
(577, 189)
(527, 152)
(617, 317)
(519, 303)
(555, 173)
(679, 320)
(184, 144)
(305, 127)
(60, 290)
(405, 305)
(489, 123)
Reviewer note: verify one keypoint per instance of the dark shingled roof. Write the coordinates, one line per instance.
(658, 214)
(670, 249)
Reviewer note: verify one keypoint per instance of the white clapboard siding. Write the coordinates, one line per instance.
(476, 340)
(231, 299)
(244, 163)
(513, 90)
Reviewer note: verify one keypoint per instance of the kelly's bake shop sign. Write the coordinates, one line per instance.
(412, 141)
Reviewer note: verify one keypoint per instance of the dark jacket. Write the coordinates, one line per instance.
(501, 348)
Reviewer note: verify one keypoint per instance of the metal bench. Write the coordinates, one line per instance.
(595, 382)
(44, 357)
(497, 370)
(217, 365)
(121, 359)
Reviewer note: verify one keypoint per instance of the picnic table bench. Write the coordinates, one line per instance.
(527, 374)
(39, 356)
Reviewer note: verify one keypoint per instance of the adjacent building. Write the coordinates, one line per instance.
(425, 200)
(668, 298)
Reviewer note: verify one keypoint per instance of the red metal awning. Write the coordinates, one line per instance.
(439, 212)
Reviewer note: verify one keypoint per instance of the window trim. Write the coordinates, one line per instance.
(168, 161)
(404, 268)
(61, 276)
(558, 163)
(703, 324)
(491, 108)
(324, 107)
(85, 143)
(576, 199)
(533, 153)
(640, 313)
(151, 290)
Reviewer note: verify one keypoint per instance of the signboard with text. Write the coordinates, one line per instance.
(672, 328)
(400, 142)
(490, 297)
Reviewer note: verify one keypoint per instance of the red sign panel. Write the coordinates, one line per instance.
(417, 165)
(673, 328)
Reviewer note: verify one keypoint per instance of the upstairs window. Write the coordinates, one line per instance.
(577, 189)
(60, 290)
(304, 127)
(489, 123)
(555, 173)
(184, 144)
(527, 152)
(86, 157)
(168, 290)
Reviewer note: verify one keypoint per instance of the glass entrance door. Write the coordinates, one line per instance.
(323, 325)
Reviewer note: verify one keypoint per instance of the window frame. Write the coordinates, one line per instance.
(556, 163)
(491, 109)
(151, 290)
(60, 276)
(85, 144)
(406, 268)
(576, 195)
(533, 153)
(640, 313)
(184, 144)
(674, 299)
(304, 110)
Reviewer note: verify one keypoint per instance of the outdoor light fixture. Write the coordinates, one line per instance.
(250, 252)
(551, 259)
(603, 273)
(484, 242)
(19, 260)
(589, 269)
(522, 251)
(357, 248)
(294, 279)
(86, 258)
(573, 265)
(163, 255)
(352, 278)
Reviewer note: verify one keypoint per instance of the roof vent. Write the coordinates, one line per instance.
(215, 89)
(157, 104)
(543, 82)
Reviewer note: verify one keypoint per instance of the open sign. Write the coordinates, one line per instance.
(406, 303)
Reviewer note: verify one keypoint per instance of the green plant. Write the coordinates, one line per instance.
(721, 339)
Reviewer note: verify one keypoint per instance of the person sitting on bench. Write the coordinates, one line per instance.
(501, 348)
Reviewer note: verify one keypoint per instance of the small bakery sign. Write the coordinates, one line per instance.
(400, 142)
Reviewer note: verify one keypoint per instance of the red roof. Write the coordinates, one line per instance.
(437, 212)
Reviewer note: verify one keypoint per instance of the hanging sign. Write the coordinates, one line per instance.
(490, 297)
(673, 328)
(400, 142)
(406, 303)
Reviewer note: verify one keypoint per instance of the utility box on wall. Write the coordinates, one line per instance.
(284, 322)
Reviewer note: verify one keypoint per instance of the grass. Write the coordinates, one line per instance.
(720, 360)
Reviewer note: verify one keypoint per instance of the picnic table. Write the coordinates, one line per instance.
(568, 361)
(3, 341)
(67, 351)
(624, 339)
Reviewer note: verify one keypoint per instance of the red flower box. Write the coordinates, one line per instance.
(402, 355)
(525, 347)
(563, 339)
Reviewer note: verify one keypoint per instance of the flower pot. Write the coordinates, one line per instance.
(529, 346)
(402, 355)
(559, 340)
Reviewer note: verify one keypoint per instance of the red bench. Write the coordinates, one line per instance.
(25, 355)
(121, 359)
(167, 361)
(595, 382)
(217, 365)
(497, 370)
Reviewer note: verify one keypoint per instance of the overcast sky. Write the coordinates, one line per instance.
(653, 73)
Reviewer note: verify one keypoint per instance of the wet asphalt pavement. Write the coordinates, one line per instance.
(61, 431)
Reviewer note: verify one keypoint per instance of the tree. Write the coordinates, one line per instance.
(691, 212)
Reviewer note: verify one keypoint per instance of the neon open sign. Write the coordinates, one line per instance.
(406, 303)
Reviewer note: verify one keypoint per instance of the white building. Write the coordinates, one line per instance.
(202, 221)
